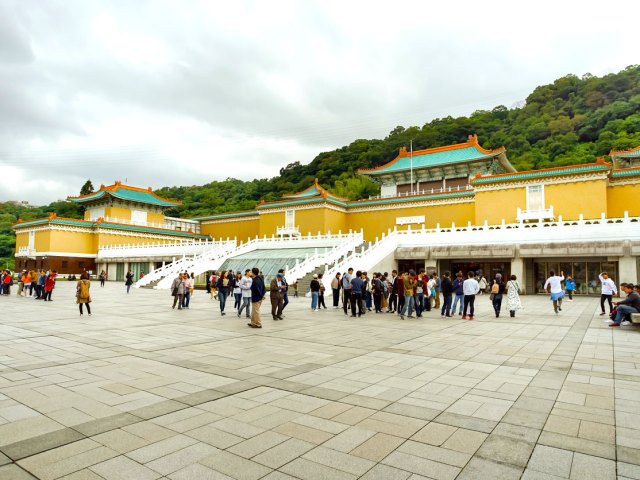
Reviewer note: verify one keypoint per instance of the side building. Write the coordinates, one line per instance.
(114, 216)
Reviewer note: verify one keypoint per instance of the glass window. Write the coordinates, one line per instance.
(535, 197)
(138, 217)
(290, 218)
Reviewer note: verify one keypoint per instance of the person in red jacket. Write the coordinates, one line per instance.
(49, 284)
(398, 287)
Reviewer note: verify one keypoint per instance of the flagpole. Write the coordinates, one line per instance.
(411, 163)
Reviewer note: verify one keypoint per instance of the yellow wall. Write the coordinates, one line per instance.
(310, 221)
(269, 223)
(621, 198)
(582, 197)
(335, 221)
(22, 240)
(71, 242)
(155, 217)
(495, 205)
(42, 241)
(118, 212)
(244, 230)
(375, 222)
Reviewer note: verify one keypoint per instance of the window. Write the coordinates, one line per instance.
(96, 213)
(290, 218)
(535, 198)
(138, 217)
(32, 239)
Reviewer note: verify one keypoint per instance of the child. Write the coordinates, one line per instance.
(569, 286)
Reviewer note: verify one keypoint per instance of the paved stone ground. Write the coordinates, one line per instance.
(141, 391)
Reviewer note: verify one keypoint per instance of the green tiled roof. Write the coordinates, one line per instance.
(114, 226)
(627, 172)
(227, 215)
(592, 167)
(630, 154)
(433, 159)
(302, 201)
(437, 196)
(127, 194)
(314, 191)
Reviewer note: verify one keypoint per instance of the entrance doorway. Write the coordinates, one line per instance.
(406, 265)
(584, 273)
(482, 267)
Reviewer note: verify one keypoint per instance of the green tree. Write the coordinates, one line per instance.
(87, 188)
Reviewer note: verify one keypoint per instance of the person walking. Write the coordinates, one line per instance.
(277, 298)
(257, 296)
(607, 292)
(446, 286)
(553, 286)
(245, 290)
(129, 280)
(177, 290)
(569, 286)
(223, 291)
(237, 292)
(513, 296)
(82, 293)
(459, 294)
(470, 289)
(321, 303)
(188, 286)
(103, 278)
(398, 288)
(314, 288)
(497, 290)
(336, 284)
(285, 290)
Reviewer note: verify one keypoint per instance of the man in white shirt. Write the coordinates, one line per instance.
(470, 289)
(608, 291)
(553, 286)
(245, 289)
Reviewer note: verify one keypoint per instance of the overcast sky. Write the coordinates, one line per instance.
(159, 93)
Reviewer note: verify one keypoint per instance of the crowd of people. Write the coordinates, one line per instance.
(407, 293)
(36, 284)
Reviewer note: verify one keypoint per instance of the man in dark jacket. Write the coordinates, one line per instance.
(457, 290)
(257, 296)
(631, 304)
(276, 289)
(446, 287)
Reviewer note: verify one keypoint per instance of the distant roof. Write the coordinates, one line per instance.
(439, 156)
(630, 153)
(314, 190)
(127, 193)
(600, 165)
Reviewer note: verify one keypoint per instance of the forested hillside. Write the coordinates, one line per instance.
(573, 120)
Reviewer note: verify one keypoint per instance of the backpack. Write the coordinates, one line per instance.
(495, 288)
(346, 283)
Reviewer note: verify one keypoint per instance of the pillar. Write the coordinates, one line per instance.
(627, 269)
(517, 269)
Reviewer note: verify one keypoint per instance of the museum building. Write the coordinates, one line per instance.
(457, 207)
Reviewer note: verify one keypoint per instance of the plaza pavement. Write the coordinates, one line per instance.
(141, 391)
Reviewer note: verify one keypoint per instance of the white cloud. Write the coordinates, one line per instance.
(165, 93)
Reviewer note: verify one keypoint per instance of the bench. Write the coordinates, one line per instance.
(635, 318)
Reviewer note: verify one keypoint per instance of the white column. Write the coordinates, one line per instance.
(627, 269)
(517, 269)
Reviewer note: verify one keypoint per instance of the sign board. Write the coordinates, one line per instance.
(410, 220)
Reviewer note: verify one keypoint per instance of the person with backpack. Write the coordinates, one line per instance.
(129, 280)
(82, 293)
(497, 290)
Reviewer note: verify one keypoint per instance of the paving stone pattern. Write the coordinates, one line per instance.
(141, 391)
